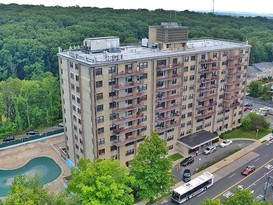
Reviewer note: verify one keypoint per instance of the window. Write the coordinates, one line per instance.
(100, 130)
(71, 64)
(77, 78)
(113, 127)
(186, 59)
(101, 151)
(113, 148)
(100, 119)
(192, 77)
(175, 61)
(186, 69)
(192, 58)
(72, 76)
(173, 91)
(189, 114)
(143, 65)
(99, 96)
(130, 152)
(112, 81)
(112, 93)
(169, 138)
(78, 100)
(112, 69)
(190, 105)
(185, 79)
(113, 116)
(99, 107)
(99, 71)
(192, 67)
(113, 137)
(101, 141)
(174, 81)
(77, 89)
(72, 86)
(99, 84)
(77, 66)
(112, 105)
(128, 67)
(174, 71)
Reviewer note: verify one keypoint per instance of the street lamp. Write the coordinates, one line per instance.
(257, 133)
(266, 186)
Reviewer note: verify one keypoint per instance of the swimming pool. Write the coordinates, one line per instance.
(48, 169)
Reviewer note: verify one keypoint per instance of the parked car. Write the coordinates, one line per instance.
(186, 175)
(248, 170)
(209, 149)
(61, 124)
(9, 138)
(226, 143)
(32, 132)
(248, 105)
(246, 108)
(187, 161)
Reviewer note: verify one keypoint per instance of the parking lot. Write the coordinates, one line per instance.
(201, 159)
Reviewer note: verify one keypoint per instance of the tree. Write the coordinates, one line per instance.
(151, 168)
(102, 182)
(255, 88)
(254, 121)
(240, 197)
(26, 190)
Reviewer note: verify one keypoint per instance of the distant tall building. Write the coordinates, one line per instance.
(186, 90)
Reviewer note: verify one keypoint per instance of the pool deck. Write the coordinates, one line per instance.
(16, 157)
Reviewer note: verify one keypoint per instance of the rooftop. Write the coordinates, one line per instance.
(129, 53)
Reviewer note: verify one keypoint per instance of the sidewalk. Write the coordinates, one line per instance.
(225, 162)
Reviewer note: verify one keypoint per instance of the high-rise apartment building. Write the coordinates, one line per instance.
(186, 90)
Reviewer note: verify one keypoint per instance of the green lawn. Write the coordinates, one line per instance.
(241, 133)
(175, 156)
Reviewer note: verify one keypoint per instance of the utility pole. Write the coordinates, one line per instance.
(266, 186)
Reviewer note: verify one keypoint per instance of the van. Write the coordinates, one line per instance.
(209, 149)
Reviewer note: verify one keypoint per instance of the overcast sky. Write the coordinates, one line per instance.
(254, 6)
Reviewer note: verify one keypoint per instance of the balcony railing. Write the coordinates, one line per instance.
(129, 129)
(128, 97)
(167, 118)
(232, 105)
(167, 108)
(127, 108)
(201, 116)
(178, 85)
(210, 60)
(228, 99)
(167, 127)
(168, 77)
(207, 87)
(236, 56)
(165, 99)
(206, 106)
(128, 73)
(204, 71)
(232, 90)
(206, 97)
(119, 143)
(171, 66)
(122, 120)
(128, 85)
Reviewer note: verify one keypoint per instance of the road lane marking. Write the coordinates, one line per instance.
(232, 175)
(240, 180)
(257, 159)
(269, 166)
(254, 183)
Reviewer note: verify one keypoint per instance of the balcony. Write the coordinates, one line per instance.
(128, 129)
(206, 97)
(167, 127)
(233, 105)
(206, 88)
(213, 77)
(162, 89)
(165, 99)
(201, 116)
(228, 99)
(202, 71)
(236, 56)
(119, 143)
(127, 108)
(233, 90)
(128, 97)
(122, 120)
(167, 118)
(170, 67)
(210, 60)
(167, 108)
(202, 107)
(128, 85)
(215, 68)
(128, 73)
(168, 77)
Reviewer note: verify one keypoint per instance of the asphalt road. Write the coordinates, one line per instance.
(229, 178)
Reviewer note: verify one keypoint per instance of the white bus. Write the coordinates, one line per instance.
(192, 188)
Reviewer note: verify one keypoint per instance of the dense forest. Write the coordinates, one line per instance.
(30, 37)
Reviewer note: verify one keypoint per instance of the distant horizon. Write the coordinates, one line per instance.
(232, 6)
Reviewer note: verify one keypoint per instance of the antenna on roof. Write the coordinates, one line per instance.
(213, 6)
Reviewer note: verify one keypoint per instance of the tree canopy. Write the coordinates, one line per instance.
(254, 121)
(151, 168)
(240, 197)
(102, 182)
(30, 35)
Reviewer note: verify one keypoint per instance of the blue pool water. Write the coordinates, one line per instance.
(48, 169)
